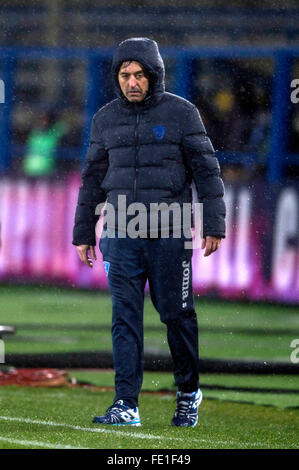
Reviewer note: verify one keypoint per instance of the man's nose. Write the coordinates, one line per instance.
(132, 82)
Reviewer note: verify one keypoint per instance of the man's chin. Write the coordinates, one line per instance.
(134, 98)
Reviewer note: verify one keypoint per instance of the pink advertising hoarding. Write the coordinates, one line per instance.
(258, 260)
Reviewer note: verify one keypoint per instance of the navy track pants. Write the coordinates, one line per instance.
(167, 265)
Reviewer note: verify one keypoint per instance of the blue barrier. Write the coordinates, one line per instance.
(97, 60)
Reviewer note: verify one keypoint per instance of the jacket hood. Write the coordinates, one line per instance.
(146, 52)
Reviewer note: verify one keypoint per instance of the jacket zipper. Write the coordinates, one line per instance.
(136, 155)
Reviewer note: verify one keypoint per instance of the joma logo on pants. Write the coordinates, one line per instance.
(185, 282)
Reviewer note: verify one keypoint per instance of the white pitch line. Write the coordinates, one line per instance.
(118, 432)
(37, 443)
(96, 430)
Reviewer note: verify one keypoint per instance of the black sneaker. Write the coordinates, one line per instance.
(186, 412)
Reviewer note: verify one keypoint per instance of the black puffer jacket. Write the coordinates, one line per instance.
(149, 151)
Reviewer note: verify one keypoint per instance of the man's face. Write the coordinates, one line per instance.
(132, 81)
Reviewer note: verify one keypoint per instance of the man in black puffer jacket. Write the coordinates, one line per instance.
(148, 146)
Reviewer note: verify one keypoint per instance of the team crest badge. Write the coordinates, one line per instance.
(159, 132)
(106, 267)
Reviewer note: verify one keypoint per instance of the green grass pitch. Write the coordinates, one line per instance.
(61, 418)
(61, 320)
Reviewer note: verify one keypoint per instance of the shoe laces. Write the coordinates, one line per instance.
(183, 406)
(116, 407)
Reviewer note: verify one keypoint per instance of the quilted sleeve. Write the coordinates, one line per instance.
(204, 167)
(90, 193)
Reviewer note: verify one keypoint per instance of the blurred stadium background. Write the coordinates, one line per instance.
(236, 63)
